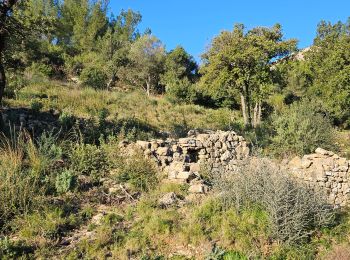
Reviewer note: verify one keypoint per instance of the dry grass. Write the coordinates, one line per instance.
(154, 111)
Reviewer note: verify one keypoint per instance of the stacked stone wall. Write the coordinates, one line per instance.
(221, 152)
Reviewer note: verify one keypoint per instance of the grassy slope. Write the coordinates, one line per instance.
(156, 112)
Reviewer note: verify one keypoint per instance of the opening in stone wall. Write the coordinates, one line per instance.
(192, 156)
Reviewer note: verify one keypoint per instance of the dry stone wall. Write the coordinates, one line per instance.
(219, 152)
(182, 159)
(327, 170)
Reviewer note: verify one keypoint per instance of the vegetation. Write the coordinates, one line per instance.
(77, 84)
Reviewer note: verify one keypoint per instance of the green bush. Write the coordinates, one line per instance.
(36, 105)
(65, 181)
(38, 73)
(302, 128)
(89, 160)
(180, 91)
(140, 172)
(66, 119)
(94, 77)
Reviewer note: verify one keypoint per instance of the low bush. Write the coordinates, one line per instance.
(301, 128)
(138, 171)
(94, 77)
(294, 210)
(65, 181)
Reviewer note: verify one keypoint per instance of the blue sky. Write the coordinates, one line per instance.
(194, 23)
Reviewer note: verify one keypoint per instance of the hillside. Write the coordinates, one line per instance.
(113, 146)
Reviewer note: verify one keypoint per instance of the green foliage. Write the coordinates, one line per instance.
(294, 211)
(36, 105)
(94, 77)
(301, 128)
(66, 119)
(147, 55)
(89, 160)
(65, 182)
(250, 80)
(180, 91)
(138, 171)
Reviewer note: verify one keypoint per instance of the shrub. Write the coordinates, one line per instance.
(38, 73)
(140, 172)
(295, 211)
(66, 119)
(180, 91)
(89, 160)
(302, 128)
(94, 77)
(65, 181)
(36, 105)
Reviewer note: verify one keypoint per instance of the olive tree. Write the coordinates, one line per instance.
(240, 61)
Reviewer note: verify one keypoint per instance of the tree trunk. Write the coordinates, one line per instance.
(2, 69)
(258, 122)
(111, 81)
(245, 100)
(244, 110)
(148, 85)
(257, 114)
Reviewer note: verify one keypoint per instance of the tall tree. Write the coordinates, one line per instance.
(6, 24)
(116, 43)
(147, 55)
(240, 60)
(329, 64)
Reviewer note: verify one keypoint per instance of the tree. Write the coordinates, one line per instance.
(116, 43)
(240, 61)
(6, 22)
(147, 56)
(329, 64)
(180, 74)
(178, 66)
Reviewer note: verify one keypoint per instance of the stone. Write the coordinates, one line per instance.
(323, 152)
(195, 167)
(226, 156)
(143, 144)
(163, 151)
(185, 175)
(306, 163)
(198, 188)
(168, 199)
(295, 163)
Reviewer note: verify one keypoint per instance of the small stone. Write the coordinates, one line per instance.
(168, 199)
(198, 188)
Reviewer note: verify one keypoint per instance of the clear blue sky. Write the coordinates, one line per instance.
(193, 23)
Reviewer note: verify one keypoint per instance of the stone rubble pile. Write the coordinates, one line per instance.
(327, 170)
(183, 159)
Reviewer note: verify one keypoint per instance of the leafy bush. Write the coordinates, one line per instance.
(302, 128)
(65, 181)
(89, 160)
(36, 105)
(94, 77)
(38, 73)
(66, 120)
(180, 91)
(295, 211)
(140, 172)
